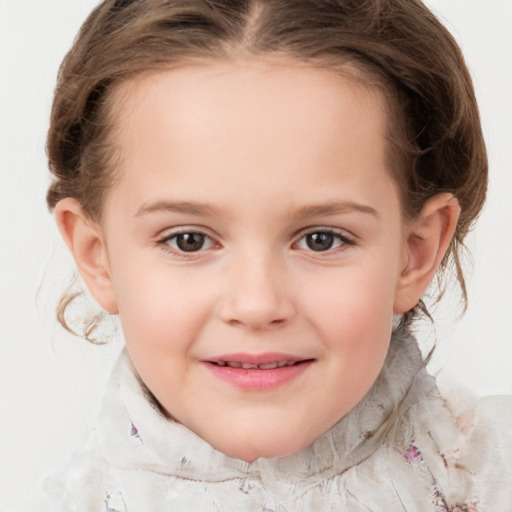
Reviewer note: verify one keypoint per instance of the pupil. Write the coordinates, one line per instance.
(190, 242)
(320, 241)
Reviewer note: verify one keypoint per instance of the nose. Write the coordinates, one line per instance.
(257, 294)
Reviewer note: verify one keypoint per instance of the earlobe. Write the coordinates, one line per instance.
(85, 241)
(427, 240)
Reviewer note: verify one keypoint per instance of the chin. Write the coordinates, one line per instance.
(253, 449)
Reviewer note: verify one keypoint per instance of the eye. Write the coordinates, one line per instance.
(192, 241)
(322, 240)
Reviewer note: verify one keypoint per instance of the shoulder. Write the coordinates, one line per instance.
(497, 411)
(472, 442)
(484, 424)
(85, 482)
(486, 448)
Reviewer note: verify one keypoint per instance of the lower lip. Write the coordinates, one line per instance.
(258, 380)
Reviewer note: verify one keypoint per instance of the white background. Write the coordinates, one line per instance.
(51, 382)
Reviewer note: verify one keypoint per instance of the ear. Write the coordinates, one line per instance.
(427, 241)
(85, 241)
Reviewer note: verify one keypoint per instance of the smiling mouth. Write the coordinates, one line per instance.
(258, 372)
(261, 366)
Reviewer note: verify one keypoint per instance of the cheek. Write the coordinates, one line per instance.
(159, 308)
(352, 300)
(353, 323)
(353, 314)
(357, 331)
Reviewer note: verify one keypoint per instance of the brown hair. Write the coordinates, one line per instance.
(436, 142)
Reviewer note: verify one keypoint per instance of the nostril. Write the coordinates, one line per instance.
(255, 307)
(257, 323)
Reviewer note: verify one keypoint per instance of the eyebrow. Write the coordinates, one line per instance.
(190, 207)
(308, 211)
(333, 208)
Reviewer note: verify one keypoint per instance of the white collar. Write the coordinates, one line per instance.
(135, 434)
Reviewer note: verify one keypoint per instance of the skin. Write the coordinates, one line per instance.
(255, 156)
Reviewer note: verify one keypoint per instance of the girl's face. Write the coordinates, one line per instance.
(254, 245)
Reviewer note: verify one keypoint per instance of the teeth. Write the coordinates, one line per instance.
(250, 366)
(269, 366)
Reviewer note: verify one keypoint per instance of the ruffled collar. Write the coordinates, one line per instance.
(134, 434)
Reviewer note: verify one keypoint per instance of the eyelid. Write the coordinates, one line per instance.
(347, 239)
(167, 234)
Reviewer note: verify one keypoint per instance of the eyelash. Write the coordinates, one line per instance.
(343, 240)
(164, 242)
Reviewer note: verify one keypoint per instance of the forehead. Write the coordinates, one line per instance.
(288, 90)
(202, 124)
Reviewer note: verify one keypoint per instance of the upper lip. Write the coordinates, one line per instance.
(256, 360)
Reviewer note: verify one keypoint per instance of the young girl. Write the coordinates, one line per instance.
(263, 190)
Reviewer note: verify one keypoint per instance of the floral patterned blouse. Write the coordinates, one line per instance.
(401, 448)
